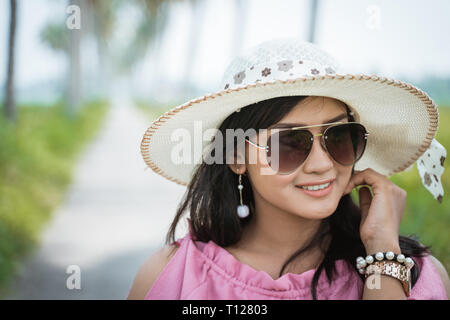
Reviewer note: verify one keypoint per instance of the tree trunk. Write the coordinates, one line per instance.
(312, 21)
(74, 66)
(9, 110)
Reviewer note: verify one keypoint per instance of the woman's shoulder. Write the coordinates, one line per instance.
(150, 270)
(442, 273)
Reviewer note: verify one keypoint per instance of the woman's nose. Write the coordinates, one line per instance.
(319, 160)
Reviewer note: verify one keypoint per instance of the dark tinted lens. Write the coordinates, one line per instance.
(293, 148)
(346, 142)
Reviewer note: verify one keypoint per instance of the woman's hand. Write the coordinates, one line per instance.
(381, 213)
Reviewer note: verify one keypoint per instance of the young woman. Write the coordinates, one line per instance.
(274, 218)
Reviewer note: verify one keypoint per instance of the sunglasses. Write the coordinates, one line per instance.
(288, 148)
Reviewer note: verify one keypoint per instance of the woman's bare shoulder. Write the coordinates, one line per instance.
(443, 274)
(149, 272)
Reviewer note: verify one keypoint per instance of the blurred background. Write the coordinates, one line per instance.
(81, 80)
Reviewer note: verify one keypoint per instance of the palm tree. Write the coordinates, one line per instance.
(58, 37)
(10, 112)
(149, 28)
(103, 18)
(146, 38)
(97, 17)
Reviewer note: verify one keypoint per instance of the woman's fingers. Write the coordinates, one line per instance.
(365, 199)
(368, 177)
(381, 210)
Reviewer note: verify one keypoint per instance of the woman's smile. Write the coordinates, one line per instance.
(321, 192)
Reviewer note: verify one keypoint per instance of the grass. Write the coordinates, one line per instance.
(424, 217)
(37, 155)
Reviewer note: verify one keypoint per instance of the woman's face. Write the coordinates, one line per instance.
(282, 191)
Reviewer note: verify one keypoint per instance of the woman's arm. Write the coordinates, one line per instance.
(150, 271)
(391, 288)
(388, 288)
(382, 208)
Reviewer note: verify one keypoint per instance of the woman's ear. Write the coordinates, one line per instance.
(238, 168)
(236, 162)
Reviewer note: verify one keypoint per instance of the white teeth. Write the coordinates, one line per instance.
(318, 187)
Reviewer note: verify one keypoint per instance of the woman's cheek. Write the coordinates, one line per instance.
(272, 188)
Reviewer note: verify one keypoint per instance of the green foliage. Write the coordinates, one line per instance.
(36, 157)
(56, 36)
(155, 109)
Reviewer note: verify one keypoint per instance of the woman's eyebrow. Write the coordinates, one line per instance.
(288, 125)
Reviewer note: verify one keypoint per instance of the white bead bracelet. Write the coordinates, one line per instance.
(362, 263)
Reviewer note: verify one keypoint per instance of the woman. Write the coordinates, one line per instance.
(274, 219)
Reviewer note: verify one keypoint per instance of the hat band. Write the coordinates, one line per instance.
(281, 70)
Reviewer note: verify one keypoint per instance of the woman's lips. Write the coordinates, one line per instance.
(316, 183)
(318, 193)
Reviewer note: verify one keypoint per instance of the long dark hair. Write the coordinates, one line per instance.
(212, 198)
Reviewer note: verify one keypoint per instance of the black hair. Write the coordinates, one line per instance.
(212, 201)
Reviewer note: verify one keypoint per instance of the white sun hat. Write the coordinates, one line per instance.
(401, 118)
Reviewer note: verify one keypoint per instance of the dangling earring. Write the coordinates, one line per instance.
(242, 209)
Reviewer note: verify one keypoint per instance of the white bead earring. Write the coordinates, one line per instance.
(242, 209)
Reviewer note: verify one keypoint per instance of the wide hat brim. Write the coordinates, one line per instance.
(402, 120)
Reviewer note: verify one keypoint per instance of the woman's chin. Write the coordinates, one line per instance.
(317, 210)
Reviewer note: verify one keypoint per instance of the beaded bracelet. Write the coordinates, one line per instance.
(361, 263)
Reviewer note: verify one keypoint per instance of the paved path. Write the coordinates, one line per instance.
(116, 213)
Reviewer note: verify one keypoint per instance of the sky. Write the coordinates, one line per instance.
(409, 39)
(402, 38)
(35, 62)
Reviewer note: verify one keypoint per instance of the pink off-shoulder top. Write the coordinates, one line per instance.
(206, 271)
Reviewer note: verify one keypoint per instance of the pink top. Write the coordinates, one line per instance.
(206, 271)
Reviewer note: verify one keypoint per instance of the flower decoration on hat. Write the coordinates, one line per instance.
(285, 65)
(239, 77)
(265, 72)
